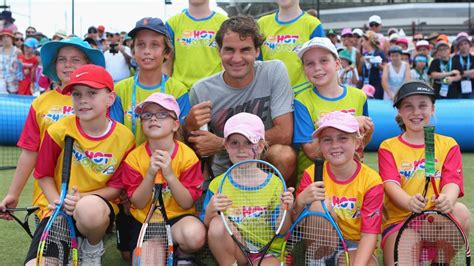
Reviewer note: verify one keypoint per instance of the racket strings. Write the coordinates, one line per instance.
(256, 211)
(431, 239)
(155, 245)
(318, 240)
(58, 244)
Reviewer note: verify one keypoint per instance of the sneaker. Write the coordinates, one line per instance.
(91, 258)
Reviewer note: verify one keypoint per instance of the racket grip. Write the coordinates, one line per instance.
(318, 169)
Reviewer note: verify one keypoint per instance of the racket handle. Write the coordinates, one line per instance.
(318, 169)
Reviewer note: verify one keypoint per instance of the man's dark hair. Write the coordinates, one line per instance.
(245, 26)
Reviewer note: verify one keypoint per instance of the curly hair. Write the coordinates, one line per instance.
(245, 26)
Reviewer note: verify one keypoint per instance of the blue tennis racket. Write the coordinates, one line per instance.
(58, 243)
(314, 237)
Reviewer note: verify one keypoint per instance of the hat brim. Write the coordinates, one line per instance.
(245, 134)
(134, 32)
(337, 126)
(304, 50)
(7, 33)
(49, 52)
(139, 108)
(95, 85)
(397, 103)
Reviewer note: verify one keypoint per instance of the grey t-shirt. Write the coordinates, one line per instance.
(268, 96)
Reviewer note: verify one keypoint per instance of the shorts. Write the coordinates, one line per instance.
(122, 227)
(135, 227)
(388, 231)
(40, 228)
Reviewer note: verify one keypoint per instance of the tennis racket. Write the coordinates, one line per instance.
(58, 242)
(431, 237)
(155, 245)
(314, 237)
(26, 224)
(256, 215)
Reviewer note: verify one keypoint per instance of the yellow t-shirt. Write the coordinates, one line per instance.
(195, 49)
(283, 38)
(95, 160)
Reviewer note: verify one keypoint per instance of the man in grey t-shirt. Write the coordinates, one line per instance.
(260, 88)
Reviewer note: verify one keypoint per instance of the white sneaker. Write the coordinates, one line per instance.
(91, 258)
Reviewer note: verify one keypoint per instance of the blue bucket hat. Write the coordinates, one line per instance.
(31, 42)
(149, 23)
(50, 50)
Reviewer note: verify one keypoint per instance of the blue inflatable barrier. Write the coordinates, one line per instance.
(13, 112)
(453, 118)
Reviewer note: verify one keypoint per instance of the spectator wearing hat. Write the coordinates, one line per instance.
(357, 39)
(348, 73)
(59, 35)
(424, 47)
(100, 32)
(29, 62)
(393, 38)
(286, 30)
(420, 68)
(402, 42)
(406, 56)
(445, 73)
(332, 35)
(466, 61)
(8, 21)
(348, 43)
(375, 25)
(93, 33)
(10, 67)
(372, 64)
(395, 73)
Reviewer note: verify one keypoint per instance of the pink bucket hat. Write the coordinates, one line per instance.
(164, 100)
(338, 120)
(246, 124)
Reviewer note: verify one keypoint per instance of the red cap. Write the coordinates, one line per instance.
(8, 32)
(92, 76)
(101, 28)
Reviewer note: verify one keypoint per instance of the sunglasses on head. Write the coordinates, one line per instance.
(374, 24)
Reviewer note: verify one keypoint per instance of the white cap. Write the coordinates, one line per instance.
(422, 43)
(320, 42)
(375, 19)
(358, 32)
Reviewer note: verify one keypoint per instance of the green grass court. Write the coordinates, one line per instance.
(14, 241)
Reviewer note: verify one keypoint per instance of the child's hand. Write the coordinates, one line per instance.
(163, 160)
(417, 203)
(443, 203)
(220, 202)
(154, 164)
(365, 124)
(71, 200)
(288, 198)
(314, 192)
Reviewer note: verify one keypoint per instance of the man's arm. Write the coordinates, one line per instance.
(282, 130)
